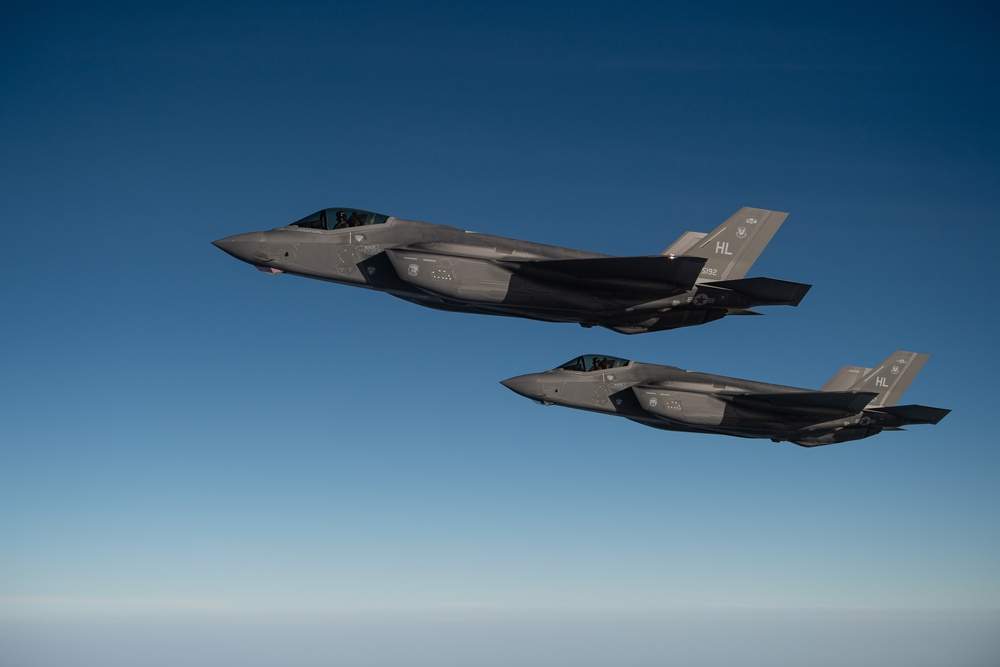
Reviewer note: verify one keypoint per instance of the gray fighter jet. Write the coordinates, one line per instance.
(856, 403)
(698, 279)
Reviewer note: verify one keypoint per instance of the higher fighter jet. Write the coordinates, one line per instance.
(698, 279)
(856, 403)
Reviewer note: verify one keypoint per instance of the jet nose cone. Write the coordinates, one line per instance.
(525, 385)
(244, 247)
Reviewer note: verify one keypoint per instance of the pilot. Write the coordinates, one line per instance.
(341, 220)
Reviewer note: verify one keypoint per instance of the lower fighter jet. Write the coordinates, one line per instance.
(856, 403)
(698, 279)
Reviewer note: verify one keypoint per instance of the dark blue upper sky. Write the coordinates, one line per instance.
(183, 435)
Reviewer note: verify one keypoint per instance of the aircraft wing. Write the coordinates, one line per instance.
(651, 272)
(449, 274)
(843, 402)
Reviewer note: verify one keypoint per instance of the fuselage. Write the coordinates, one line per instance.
(448, 268)
(671, 398)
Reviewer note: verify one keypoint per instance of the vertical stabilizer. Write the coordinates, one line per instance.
(845, 378)
(682, 245)
(891, 377)
(732, 247)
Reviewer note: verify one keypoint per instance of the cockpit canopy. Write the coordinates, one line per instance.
(340, 218)
(593, 362)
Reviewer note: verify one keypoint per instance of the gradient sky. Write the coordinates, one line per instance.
(201, 464)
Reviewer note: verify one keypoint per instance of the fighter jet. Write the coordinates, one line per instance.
(698, 279)
(856, 403)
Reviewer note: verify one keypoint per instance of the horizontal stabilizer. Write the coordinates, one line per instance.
(843, 402)
(915, 414)
(766, 291)
(651, 272)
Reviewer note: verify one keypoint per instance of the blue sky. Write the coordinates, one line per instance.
(202, 464)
